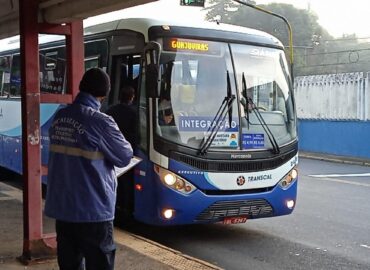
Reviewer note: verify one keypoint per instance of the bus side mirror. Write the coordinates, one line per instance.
(151, 56)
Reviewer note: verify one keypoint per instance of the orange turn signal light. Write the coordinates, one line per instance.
(138, 187)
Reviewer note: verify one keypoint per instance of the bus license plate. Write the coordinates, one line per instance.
(234, 220)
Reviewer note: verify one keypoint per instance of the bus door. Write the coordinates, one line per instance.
(124, 72)
(125, 54)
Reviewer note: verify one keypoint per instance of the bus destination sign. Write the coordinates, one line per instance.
(190, 45)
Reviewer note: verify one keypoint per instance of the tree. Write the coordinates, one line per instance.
(304, 22)
(315, 50)
(307, 32)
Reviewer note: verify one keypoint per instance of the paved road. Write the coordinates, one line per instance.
(329, 229)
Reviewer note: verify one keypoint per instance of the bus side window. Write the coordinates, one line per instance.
(91, 62)
(96, 54)
(4, 76)
(52, 71)
(15, 77)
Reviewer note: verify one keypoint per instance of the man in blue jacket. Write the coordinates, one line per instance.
(85, 145)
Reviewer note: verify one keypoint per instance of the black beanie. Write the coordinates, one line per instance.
(95, 82)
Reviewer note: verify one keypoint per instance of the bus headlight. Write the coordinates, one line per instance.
(174, 181)
(289, 178)
(168, 213)
(169, 179)
(290, 204)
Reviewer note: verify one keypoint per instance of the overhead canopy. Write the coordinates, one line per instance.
(59, 11)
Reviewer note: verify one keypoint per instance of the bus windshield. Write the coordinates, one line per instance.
(194, 86)
(266, 94)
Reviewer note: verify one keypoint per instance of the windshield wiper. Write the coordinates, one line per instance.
(225, 108)
(249, 101)
(229, 96)
(244, 101)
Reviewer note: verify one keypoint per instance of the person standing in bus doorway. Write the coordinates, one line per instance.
(85, 145)
(125, 115)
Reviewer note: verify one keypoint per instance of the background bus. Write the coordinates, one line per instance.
(230, 151)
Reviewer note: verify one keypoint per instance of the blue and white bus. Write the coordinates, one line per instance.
(217, 120)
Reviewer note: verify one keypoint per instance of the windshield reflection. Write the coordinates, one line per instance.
(268, 88)
(193, 85)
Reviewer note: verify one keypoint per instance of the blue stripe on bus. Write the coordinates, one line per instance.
(46, 111)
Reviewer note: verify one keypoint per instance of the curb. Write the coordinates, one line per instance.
(163, 254)
(170, 258)
(337, 159)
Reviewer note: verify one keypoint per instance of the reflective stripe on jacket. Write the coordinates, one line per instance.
(85, 145)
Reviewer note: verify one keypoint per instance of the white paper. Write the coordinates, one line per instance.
(134, 161)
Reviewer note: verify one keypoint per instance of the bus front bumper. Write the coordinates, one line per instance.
(173, 208)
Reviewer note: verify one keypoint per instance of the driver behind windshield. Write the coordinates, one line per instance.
(166, 113)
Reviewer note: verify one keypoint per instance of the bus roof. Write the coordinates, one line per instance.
(142, 25)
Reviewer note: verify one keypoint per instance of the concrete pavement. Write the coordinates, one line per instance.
(133, 252)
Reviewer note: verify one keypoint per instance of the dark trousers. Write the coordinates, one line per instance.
(92, 241)
(125, 193)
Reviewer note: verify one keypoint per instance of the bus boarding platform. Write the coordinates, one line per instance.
(133, 252)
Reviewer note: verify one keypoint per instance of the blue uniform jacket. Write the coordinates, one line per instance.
(85, 145)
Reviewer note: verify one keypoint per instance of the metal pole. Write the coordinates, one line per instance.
(36, 245)
(33, 245)
(75, 57)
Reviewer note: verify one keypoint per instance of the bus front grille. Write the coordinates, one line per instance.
(223, 209)
(232, 165)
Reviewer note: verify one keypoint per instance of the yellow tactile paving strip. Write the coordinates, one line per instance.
(165, 255)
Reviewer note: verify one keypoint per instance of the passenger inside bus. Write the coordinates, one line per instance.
(125, 115)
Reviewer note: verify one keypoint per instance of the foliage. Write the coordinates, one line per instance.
(316, 51)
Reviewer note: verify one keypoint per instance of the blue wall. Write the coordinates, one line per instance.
(343, 138)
